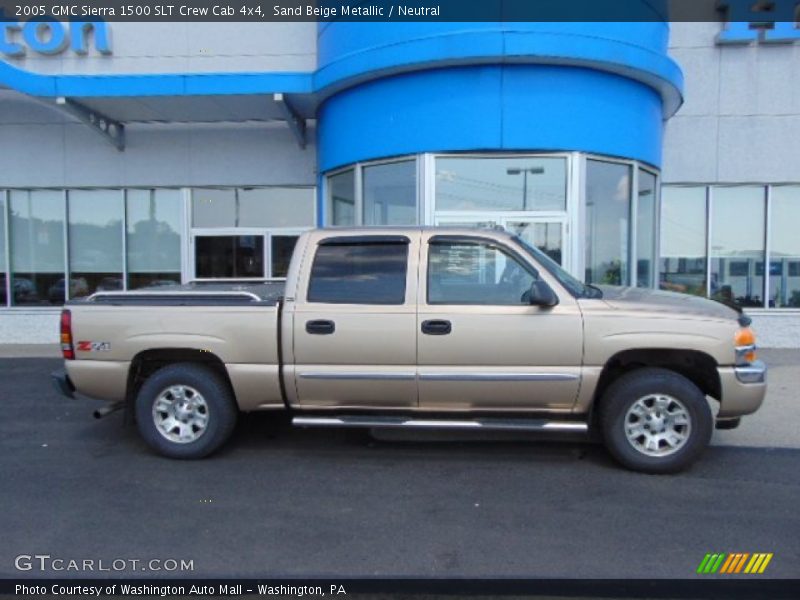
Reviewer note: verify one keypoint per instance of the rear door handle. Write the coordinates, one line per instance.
(320, 327)
(437, 327)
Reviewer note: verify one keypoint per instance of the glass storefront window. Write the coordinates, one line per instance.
(501, 184)
(683, 240)
(276, 207)
(36, 219)
(281, 247)
(645, 229)
(3, 295)
(154, 238)
(784, 259)
(342, 198)
(608, 199)
(213, 208)
(737, 245)
(95, 241)
(229, 256)
(390, 194)
(547, 237)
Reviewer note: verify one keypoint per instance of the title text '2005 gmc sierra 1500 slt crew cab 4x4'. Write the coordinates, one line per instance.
(417, 327)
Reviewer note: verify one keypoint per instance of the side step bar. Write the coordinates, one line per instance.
(541, 425)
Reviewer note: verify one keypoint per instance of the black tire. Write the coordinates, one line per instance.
(620, 397)
(215, 401)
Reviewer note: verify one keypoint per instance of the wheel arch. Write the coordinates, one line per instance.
(698, 367)
(147, 362)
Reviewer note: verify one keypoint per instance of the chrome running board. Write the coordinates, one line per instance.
(540, 425)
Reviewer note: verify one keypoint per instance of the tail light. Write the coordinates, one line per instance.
(67, 349)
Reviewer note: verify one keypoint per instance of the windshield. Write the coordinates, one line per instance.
(575, 287)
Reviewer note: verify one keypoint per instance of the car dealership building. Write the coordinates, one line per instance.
(643, 154)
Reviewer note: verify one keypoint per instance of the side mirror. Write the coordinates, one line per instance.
(542, 295)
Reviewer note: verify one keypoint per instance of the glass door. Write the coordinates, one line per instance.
(546, 233)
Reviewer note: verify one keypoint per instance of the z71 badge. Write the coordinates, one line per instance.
(94, 346)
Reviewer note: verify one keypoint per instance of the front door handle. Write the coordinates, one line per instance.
(320, 327)
(437, 327)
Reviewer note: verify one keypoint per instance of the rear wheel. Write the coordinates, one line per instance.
(185, 411)
(655, 421)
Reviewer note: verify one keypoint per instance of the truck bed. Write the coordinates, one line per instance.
(235, 323)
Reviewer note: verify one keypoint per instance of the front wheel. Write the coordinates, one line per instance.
(655, 421)
(185, 411)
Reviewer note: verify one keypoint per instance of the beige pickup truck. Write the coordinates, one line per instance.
(419, 327)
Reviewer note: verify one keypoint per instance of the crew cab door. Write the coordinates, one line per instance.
(481, 345)
(354, 322)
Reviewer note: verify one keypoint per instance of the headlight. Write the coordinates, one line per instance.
(745, 342)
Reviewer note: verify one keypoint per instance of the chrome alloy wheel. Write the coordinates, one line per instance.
(180, 414)
(657, 425)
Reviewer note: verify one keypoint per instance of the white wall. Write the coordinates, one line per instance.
(741, 119)
(40, 147)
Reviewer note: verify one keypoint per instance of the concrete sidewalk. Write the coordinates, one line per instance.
(29, 351)
(775, 425)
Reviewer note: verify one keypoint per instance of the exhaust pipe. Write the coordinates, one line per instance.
(107, 410)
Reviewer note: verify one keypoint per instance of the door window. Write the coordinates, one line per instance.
(466, 272)
(359, 273)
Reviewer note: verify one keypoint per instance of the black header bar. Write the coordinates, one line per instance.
(750, 588)
(749, 11)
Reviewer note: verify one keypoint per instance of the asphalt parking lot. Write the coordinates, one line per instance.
(285, 502)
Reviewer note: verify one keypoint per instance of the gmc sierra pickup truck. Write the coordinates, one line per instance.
(419, 327)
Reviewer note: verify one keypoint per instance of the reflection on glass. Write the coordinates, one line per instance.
(544, 236)
(37, 247)
(342, 198)
(213, 208)
(501, 184)
(359, 274)
(683, 240)
(645, 229)
(282, 247)
(608, 197)
(390, 194)
(476, 273)
(276, 207)
(784, 260)
(229, 256)
(154, 239)
(95, 241)
(737, 245)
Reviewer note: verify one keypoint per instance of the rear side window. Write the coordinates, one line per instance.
(359, 273)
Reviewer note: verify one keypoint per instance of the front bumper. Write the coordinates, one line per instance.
(755, 372)
(743, 389)
(63, 383)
